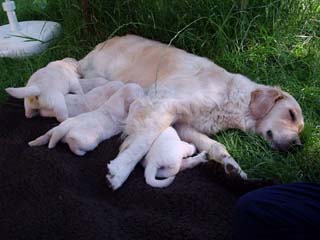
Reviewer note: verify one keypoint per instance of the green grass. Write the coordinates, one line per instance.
(272, 42)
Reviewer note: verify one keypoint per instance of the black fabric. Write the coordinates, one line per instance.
(285, 211)
(53, 194)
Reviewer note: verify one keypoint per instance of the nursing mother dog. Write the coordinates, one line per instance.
(195, 95)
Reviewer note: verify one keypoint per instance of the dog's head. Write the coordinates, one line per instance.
(278, 117)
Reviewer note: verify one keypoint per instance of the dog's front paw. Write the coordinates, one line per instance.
(113, 181)
(114, 177)
(231, 167)
(204, 156)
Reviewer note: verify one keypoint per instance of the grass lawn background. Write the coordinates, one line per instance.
(271, 42)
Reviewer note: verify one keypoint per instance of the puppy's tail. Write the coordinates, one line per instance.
(150, 176)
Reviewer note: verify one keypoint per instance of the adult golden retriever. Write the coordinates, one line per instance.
(193, 93)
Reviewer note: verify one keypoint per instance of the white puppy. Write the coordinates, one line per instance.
(79, 103)
(167, 156)
(87, 84)
(85, 131)
(92, 100)
(47, 86)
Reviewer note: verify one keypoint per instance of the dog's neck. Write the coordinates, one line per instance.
(233, 112)
(240, 98)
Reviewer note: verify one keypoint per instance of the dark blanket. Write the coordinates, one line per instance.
(53, 194)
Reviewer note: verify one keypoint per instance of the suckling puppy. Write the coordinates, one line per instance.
(82, 103)
(92, 100)
(87, 84)
(167, 156)
(47, 86)
(85, 131)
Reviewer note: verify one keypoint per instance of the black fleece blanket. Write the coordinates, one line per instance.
(53, 194)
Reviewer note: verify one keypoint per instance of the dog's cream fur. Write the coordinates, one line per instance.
(78, 103)
(85, 131)
(167, 156)
(194, 93)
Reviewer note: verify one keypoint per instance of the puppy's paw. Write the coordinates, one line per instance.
(119, 170)
(114, 180)
(243, 175)
(231, 167)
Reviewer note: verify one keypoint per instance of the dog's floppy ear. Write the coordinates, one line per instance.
(23, 92)
(262, 101)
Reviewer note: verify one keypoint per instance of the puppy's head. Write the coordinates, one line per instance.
(278, 117)
(45, 105)
(31, 98)
(31, 106)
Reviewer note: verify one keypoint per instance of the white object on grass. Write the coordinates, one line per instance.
(22, 39)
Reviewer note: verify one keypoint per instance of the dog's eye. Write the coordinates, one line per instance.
(292, 115)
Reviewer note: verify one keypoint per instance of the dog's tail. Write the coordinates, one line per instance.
(53, 136)
(150, 176)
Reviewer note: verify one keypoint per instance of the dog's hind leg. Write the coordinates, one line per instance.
(42, 140)
(216, 151)
(52, 137)
(120, 168)
(142, 128)
(192, 162)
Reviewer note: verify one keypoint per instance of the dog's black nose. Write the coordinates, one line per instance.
(288, 146)
(295, 145)
(296, 142)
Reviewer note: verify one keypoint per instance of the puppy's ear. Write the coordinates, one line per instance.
(23, 92)
(262, 101)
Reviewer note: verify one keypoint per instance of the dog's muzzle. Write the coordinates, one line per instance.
(287, 146)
